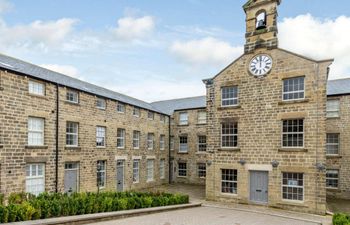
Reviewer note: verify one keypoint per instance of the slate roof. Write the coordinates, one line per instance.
(169, 106)
(29, 69)
(338, 87)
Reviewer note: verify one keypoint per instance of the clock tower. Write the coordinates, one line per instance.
(261, 22)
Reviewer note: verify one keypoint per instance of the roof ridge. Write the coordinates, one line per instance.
(345, 78)
(179, 98)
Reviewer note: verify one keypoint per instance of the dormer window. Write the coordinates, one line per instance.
(261, 21)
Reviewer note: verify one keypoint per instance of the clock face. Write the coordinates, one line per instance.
(260, 65)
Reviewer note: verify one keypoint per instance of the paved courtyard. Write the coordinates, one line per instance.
(207, 216)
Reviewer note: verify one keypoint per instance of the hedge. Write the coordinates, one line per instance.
(341, 219)
(23, 206)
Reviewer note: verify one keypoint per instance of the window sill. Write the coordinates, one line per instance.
(334, 156)
(36, 147)
(102, 147)
(104, 109)
(201, 124)
(182, 152)
(71, 103)
(292, 203)
(181, 176)
(292, 150)
(121, 148)
(183, 125)
(229, 149)
(75, 148)
(229, 107)
(201, 153)
(150, 181)
(38, 96)
(330, 189)
(228, 195)
(287, 102)
(332, 117)
(136, 149)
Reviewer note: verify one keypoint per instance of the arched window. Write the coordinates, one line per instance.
(261, 20)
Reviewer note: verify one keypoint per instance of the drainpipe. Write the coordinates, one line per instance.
(169, 144)
(57, 118)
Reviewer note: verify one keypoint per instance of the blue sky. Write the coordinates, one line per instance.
(158, 49)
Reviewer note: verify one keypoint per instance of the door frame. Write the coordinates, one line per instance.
(267, 185)
(123, 161)
(78, 173)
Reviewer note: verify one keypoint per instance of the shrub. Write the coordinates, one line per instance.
(4, 214)
(1, 199)
(341, 219)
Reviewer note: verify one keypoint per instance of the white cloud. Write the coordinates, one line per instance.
(319, 39)
(5, 6)
(130, 28)
(206, 51)
(64, 69)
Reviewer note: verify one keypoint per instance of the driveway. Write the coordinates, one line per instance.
(207, 216)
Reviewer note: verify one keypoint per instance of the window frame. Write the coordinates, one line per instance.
(136, 176)
(162, 118)
(150, 141)
(162, 169)
(74, 135)
(75, 94)
(35, 177)
(234, 99)
(183, 122)
(201, 120)
(291, 133)
(183, 169)
(99, 129)
(293, 186)
(121, 133)
(32, 89)
(333, 144)
(333, 111)
(181, 145)
(121, 107)
(150, 170)
(136, 139)
(101, 100)
(201, 170)
(293, 92)
(30, 132)
(150, 115)
(201, 144)
(235, 127)
(332, 178)
(172, 143)
(101, 171)
(233, 181)
(136, 112)
(162, 142)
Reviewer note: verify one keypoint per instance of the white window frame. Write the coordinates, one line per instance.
(291, 133)
(162, 169)
(136, 139)
(183, 147)
(162, 142)
(136, 111)
(101, 103)
(333, 144)
(335, 110)
(150, 170)
(72, 96)
(233, 181)
(202, 117)
(74, 135)
(36, 177)
(136, 171)
(121, 107)
(101, 133)
(293, 186)
(150, 115)
(36, 88)
(182, 169)
(183, 118)
(332, 171)
(101, 171)
(36, 131)
(293, 92)
(233, 135)
(201, 145)
(121, 138)
(201, 170)
(150, 141)
(228, 99)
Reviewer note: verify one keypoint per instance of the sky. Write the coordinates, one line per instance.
(161, 49)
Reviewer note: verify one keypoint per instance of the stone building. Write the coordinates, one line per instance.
(271, 130)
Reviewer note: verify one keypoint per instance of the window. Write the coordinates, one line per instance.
(101, 174)
(229, 135)
(100, 136)
(150, 140)
(202, 143)
(150, 170)
(101, 103)
(35, 131)
(333, 108)
(36, 88)
(332, 144)
(293, 186)
(182, 171)
(162, 142)
(293, 133)
(229, 181)
(136, 112)
(183, 144)
(332, 178)
(35, 178)
(202, 117)
(172, 145)
(136, 171)
(136, 139)
(183, 118)
(161, 169)
(120, 107)
(120, 138)
(72, 134)
(293, 88)
(202, 168)
(150, 115)
(162, 118)
(229, 96)
(72, 96)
